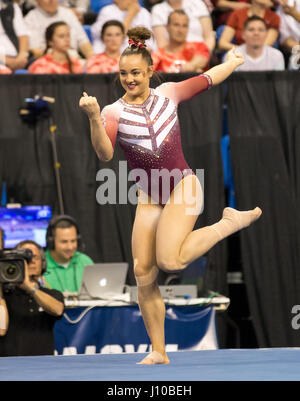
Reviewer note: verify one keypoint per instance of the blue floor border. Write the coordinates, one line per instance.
(272, 364)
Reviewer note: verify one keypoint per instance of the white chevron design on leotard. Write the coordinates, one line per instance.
(147, 125)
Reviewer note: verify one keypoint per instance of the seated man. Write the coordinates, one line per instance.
(234, 28)
(29, 310)
(45, 14)
(200, 25)
(65, 265)
(179, 55)
(257, 55)
(14, 39)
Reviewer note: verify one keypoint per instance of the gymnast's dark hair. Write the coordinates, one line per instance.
(49, 35)
(139, 34)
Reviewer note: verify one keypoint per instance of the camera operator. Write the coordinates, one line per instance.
(29, 310)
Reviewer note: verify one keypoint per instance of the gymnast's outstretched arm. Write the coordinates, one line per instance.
(180, 91)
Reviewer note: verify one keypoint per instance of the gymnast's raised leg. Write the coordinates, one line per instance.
(177, 244)
(163, 237)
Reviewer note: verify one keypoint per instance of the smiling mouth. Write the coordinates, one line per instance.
(69, 253)
(131, 86)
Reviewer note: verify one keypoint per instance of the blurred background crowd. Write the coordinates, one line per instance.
(88, 36)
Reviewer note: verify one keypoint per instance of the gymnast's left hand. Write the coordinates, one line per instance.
(233, 56)
(89, 105)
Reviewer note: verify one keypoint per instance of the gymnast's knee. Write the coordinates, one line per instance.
(144, 275)
(169, 265)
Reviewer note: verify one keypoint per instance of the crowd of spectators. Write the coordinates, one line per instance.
(88, 36)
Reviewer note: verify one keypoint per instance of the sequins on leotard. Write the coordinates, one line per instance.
(149, 135)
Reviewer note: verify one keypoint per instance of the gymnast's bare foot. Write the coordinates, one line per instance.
(234, 220)
(155, 358)
(241, 218)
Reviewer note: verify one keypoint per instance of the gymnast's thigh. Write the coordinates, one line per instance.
(144, 236)
(178, 220)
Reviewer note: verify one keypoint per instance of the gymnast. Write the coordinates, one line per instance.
(146, 123)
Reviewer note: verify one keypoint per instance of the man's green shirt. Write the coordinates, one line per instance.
(66, 278)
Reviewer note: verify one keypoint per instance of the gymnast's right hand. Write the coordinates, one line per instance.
(89, 105)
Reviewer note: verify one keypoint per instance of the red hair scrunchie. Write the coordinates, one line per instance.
(136, 43)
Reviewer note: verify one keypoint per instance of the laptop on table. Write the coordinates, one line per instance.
(103, 281)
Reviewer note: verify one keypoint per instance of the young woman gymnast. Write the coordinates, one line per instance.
(146, 123)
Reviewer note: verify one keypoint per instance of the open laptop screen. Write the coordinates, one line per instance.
(103, 280)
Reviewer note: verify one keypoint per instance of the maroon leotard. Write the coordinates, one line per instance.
(149, 135)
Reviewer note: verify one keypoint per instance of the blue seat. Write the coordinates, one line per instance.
(87, 29)
(21, 72)
(227, 170)
(219, 31)
(96, 5)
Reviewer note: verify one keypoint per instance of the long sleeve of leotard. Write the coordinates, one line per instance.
(110, 120)
(180, 91)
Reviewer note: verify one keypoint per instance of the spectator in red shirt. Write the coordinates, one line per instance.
(223, 8)
(5, 70)
(179, 55)
(57, 59)
(112, 35)
(235, 24)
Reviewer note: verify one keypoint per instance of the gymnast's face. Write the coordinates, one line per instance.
(135, 75)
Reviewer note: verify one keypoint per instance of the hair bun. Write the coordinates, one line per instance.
(138, 36)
